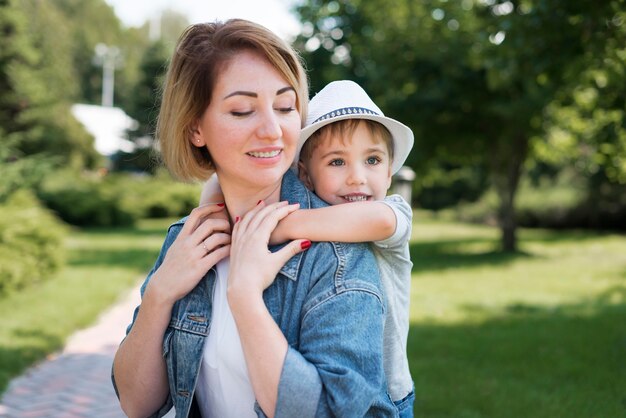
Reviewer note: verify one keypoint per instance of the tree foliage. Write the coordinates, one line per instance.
(38, 86)
(474, 79)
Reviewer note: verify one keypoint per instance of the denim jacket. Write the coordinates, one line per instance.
(329, 304)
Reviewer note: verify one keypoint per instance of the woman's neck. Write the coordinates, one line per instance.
(239, 200)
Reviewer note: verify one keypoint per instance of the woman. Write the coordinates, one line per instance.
(229, 328)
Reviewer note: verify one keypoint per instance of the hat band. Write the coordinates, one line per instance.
(346, 111)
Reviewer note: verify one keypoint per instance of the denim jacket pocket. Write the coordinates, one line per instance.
(405, 405)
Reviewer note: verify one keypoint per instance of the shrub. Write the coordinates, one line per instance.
(116, 199)
(162, 197)
(30, 242)
(555, 205)
(89, 200)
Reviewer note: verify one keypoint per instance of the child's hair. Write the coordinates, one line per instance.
(344, 129)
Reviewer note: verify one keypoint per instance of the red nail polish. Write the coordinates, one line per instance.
(236, 219)
(305, 244)
(259, 202)
(221, 205)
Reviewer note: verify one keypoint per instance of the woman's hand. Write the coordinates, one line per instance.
(252, 266)
(202, 242)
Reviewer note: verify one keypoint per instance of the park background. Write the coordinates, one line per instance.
(518, 108)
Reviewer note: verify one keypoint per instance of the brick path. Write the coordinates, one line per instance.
(75, 382)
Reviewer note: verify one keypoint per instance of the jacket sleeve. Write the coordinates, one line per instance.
(173, 231)
(337, 369)
(404, 222)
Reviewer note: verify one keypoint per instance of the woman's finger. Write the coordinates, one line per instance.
(291, 249)
(266, 222)
(214, 242)
(216, 256)
(209, 227)
(255, 221)
(197, 215)
(246, 218)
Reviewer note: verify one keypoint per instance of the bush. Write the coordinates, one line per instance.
(445, 186)
(30, 242)
(162, 197)
(89, 200)
(116, 199)
(564, 203)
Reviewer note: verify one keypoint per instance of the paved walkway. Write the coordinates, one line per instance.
(75, 382)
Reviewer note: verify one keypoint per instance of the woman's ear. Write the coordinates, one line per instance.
(196, 137)
(304, 177)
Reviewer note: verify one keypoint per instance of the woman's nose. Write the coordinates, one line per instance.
(269, 126)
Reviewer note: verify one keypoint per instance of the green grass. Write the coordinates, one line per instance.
(540, 333)
(102, 264)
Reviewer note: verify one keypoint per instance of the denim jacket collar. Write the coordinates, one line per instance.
(293, 191)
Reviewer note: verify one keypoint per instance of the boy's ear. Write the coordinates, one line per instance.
(304, 177)
(196, 137)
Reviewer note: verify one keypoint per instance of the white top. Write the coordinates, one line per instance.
(224, 388)
(394, 262)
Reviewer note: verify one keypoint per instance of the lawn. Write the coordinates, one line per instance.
(541, 333)
(102, 265)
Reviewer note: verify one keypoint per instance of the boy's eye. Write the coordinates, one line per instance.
(373, 160)
(337, 162)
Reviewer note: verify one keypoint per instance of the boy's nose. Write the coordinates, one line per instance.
(357, 176)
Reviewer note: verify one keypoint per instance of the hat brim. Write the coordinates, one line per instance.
(402, 136)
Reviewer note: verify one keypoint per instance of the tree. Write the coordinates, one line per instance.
(36, 79)
(472, 79)
(144, 109)
(586, 128)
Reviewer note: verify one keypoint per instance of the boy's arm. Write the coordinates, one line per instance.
(348, 222)
(211, 192)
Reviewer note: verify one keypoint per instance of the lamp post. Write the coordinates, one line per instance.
(403, 182)
(108, 57)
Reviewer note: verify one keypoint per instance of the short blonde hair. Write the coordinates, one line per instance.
(202, 51)
(343, 129)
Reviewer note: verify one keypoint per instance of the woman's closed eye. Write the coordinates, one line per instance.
(286, 109)
(241, 114)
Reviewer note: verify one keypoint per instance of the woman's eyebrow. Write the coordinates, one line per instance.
(253, 94)
(241, 93)
(284, 90)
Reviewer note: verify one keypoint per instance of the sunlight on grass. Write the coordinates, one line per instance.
(540, 333)
(465, 279)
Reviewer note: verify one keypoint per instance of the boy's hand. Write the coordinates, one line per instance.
(285, 229)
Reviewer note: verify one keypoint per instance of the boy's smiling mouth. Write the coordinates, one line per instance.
(356, 197)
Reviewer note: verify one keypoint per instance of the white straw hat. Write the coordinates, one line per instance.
(345, 99)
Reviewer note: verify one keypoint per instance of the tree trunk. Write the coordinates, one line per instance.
(507, 163)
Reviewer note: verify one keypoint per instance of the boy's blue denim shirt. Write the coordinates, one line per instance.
(328, 302)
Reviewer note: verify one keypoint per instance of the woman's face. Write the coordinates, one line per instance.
(252, 124)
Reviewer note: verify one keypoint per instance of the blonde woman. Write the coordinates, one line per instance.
(227, 326)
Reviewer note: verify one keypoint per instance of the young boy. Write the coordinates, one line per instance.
(347, 153)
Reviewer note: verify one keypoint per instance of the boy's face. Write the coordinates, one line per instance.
(343, 170)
